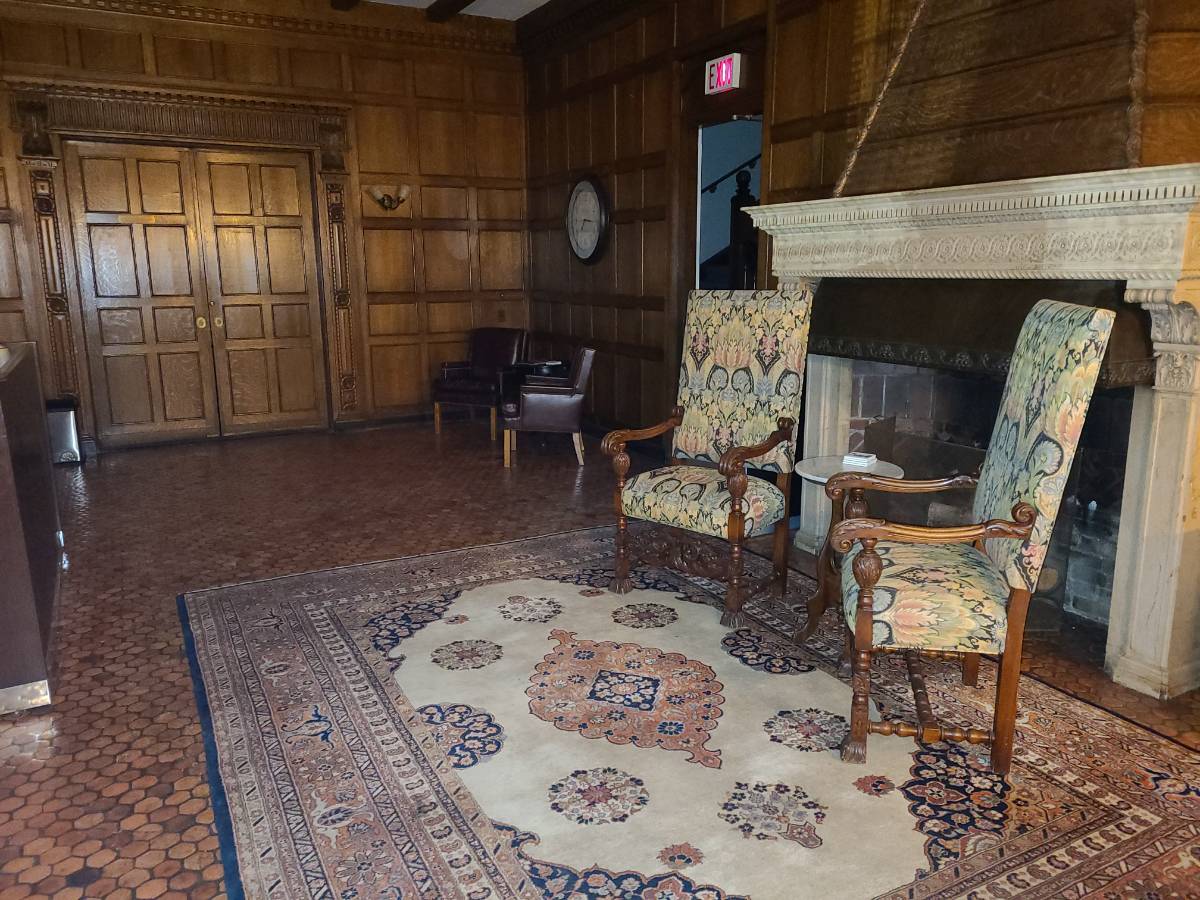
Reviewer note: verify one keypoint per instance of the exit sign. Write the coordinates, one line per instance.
(723, 74)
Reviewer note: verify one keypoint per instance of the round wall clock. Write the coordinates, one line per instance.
(587, 219)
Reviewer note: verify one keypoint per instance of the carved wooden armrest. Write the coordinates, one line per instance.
(837, 485)
(846, 533)
(734, 459)
(614, 442)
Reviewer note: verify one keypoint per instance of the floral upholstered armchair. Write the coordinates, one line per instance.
(740, 385)
(956, 593)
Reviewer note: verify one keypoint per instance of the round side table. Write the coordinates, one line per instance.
(818, 470)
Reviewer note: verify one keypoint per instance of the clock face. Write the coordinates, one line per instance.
(587, 220)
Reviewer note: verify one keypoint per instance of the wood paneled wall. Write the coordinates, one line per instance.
(1170, 117)
(436, 107)
(605, 99)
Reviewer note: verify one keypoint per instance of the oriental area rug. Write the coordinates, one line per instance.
(493, 723)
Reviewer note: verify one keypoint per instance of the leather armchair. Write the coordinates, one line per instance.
(549, 404)
(476, 380)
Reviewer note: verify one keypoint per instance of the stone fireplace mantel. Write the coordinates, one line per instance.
(1139, 226)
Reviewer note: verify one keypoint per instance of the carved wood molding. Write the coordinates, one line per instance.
(341, 314)
(52, 269)
(466, 33)
(39, 108)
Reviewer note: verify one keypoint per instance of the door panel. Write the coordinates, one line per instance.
(144, 296)
(256, 220)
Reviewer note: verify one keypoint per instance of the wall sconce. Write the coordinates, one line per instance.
(388, 196)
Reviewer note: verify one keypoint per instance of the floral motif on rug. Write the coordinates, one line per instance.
(680, 856)
(404, 620)
(530, 609)
(958, 801)
(628, 694)
(763, 653)
(598, 796)
(806, 729)
(644, 615)
(767, 812)
(642, 577)
(875, 785)
(467, 654)
(560, 882)
(1173, 789)
(466, 735)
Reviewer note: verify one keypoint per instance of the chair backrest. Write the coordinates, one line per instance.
(742, 370)
(491, 349)
(1050, 381)
(581, 368)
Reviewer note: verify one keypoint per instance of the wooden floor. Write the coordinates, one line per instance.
(103, 794)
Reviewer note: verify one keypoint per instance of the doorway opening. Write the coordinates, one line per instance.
(729, 154)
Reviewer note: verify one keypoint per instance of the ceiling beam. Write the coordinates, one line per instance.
(442, 10)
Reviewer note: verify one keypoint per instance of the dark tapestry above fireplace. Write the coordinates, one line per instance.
(968, 325)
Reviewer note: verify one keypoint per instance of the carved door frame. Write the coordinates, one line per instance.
(44, 114)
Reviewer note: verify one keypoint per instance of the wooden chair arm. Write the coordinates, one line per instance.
(734, 459)
(837, 485)
(846, 533)
(614, 442)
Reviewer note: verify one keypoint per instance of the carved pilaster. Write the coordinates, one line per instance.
(342, 316)
(53, 273)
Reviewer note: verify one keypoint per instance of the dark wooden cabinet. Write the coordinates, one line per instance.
(30, 549)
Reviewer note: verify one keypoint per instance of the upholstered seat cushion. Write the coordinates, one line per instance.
(467, 389)
(933, 597)
(696, 498)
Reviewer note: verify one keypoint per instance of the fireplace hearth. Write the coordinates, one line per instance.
(1132, 235)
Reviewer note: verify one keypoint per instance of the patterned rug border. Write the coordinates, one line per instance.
(216, 785)
(222, 819)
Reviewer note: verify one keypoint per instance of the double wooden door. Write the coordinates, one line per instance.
(199, 284)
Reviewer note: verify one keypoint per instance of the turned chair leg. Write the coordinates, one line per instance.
(733, 617)
(622, 583)
(437, 418)
(493, 422)
(970, 669)
(854, 745)
(577, 438)
(780, 556)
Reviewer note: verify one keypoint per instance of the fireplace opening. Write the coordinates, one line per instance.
(934, 423)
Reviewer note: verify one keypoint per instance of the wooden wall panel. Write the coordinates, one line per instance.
(987, 90)
(436, 108)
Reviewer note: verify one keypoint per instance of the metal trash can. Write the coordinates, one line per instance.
(64, 436)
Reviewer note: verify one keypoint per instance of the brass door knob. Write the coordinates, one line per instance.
(201, 322)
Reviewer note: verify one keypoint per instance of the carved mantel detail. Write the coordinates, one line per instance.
(1140, 226)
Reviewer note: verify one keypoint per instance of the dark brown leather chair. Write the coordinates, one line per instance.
(549, 404)
(476, 381)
